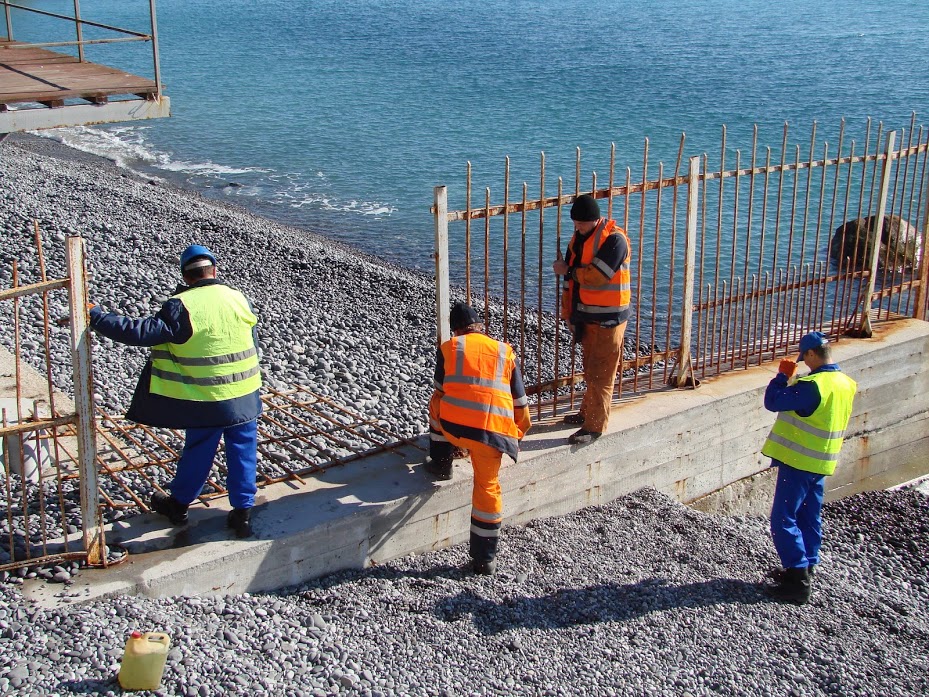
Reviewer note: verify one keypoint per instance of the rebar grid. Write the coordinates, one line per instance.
(299, 433)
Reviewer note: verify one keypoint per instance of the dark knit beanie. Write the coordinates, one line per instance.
(462, 315)
(585, 209)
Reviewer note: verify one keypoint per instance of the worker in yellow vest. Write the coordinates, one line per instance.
(596, 303)
(202, 376)
(479, 405)
(804, 444)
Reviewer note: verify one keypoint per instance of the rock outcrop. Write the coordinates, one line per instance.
(854, 239)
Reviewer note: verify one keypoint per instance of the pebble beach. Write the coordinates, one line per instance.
(643, 596)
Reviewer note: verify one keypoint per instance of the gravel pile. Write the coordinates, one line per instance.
(640, 597)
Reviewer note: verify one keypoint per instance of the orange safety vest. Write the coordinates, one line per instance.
(615, 295)
(476, 389)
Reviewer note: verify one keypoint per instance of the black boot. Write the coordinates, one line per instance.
(439, 469)
(239, 519)
(792, 586)
(485, 568)
(169, 507)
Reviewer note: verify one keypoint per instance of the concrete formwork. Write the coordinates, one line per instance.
(699, 446)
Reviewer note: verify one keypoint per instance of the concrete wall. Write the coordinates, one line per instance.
(698, 445)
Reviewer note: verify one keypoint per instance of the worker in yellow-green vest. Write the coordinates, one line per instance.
(804, 444)
(202, 376)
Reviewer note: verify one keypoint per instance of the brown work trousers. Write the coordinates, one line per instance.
(603, 350)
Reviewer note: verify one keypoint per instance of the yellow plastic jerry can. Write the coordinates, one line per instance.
(144, 661)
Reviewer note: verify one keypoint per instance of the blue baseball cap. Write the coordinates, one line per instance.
(195, 256)
(811, 341)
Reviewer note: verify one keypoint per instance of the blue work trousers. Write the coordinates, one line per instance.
(200, 445)
(796, 516)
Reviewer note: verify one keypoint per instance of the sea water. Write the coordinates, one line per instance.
(340, 116)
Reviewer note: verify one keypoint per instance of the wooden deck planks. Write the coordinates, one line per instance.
(39, 75)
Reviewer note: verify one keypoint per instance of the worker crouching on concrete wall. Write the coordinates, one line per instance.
(202, 376)
(804, 445)
(479, 405)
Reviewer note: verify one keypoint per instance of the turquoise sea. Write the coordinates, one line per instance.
(341, 116)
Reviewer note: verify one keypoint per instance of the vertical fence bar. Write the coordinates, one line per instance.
(684, 361)
(522, 277)
(506, 248)
(156, 60)
(84, 401)
(79, 30)
(558, 291)
(468, 236)
(923, 273)
(9, 21)
(865, 326)
(442, 286)
(487, 257)
(538, 336)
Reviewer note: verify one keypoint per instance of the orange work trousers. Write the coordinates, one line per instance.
(603, 350)
(486, 497)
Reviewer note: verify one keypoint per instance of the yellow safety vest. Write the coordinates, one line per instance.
(220, 360)
(812, 443)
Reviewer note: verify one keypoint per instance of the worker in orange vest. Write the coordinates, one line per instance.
(596, 302)
(479, 405)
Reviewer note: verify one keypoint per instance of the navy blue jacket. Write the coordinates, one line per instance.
(171, 324)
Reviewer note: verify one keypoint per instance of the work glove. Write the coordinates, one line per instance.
(787, 367)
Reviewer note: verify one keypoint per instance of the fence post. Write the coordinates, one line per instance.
(9, 22)
(685, 362)
(865, 326)
(442, 291)
(84, 401)
(923, 274)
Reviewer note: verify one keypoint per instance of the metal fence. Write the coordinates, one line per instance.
(731, 265)
(49, 503)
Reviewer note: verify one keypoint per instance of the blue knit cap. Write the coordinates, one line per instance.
(811, 341)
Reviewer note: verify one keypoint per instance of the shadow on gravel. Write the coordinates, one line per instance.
(605, 603)
(90, 687)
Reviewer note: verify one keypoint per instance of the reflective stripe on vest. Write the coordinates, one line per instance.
(476, 385)
(614, 296)
(813, 443)
(219, 361)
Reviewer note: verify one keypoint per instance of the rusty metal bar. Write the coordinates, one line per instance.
(558, 291)
(467, 235)
(638, 295)
(487, 258)
(671, 258)
(20, 291)
(522, 282)
(506, 248)
(923, 273)
(655, 254)
(541, 286)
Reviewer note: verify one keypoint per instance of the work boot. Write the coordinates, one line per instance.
(583, 437)
(169, 507)
(574, 419)
(438, 469)
(777, 575)
(793, 587)
(239, 519)
(485, 568)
